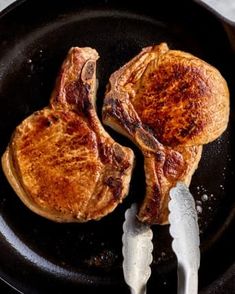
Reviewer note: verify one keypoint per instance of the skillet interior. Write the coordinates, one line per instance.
(35, 37)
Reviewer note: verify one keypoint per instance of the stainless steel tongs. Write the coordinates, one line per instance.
(137, 244)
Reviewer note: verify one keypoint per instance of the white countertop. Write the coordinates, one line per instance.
(5, 3)
(224, 7)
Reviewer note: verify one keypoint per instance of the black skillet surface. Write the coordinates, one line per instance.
(38, 256)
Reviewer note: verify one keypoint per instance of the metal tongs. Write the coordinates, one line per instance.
(138, 247)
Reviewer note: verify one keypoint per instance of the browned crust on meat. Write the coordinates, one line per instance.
(180, 99)
(75, 81)
(170, 103)
(60, 161)
(163, 174)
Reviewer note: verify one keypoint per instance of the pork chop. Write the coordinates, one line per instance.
(169, 103)
(60, 161)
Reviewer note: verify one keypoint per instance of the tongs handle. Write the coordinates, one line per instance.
(140, 291)
(137, 251)
(187, 281)
(185, 232)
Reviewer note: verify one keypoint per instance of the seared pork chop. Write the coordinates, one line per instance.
(169, 103)
(60, 161)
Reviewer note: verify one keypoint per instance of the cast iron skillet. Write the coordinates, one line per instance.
(37, 255)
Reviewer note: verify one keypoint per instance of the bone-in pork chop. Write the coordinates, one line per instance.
(169, 103)
(60, 161)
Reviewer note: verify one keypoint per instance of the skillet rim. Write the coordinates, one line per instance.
(230, 273)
